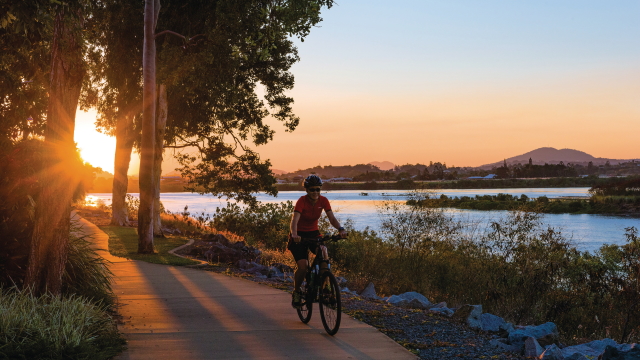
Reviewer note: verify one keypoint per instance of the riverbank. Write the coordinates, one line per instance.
(603, 205)
(177, 185)
(457, 184)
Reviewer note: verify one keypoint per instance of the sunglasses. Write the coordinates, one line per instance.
(313, 189)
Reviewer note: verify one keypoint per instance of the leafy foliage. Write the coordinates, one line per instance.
(594, 205)
(516, 268)
(265, 224)
(620, 187)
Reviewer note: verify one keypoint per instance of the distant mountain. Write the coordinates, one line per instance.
(551, 155)
(383, 165)
(278, 172)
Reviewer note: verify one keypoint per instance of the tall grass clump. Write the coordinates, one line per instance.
(55, 327)
(516, 268)
(86, 273)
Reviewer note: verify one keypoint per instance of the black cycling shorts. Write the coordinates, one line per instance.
(301, 250)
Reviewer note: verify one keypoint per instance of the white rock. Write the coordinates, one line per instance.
(370, 292)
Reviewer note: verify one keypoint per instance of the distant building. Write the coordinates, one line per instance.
(340, 179)
(488, 177)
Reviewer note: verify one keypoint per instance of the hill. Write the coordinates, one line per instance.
(383, 165)
(549, 155)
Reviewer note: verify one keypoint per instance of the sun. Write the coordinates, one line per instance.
(95, 148)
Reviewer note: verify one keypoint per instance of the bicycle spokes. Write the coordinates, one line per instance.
(330, 305)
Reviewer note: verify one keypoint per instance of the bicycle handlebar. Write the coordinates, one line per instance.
(322, 239)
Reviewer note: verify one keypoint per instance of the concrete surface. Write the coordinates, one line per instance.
(179, 313)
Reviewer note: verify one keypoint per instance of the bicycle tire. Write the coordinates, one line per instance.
(306, 309)
(330, 304)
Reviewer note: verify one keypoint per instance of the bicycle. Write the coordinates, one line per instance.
(321, 286)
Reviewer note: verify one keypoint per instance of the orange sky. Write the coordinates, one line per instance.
(459, 82)
(595, 113)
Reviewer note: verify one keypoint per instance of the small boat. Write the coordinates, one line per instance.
(364, 194)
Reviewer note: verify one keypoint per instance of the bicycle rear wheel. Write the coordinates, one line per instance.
(330, 305)
(306, 309)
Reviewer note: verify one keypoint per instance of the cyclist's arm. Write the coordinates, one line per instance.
(294, 226)
(335, 223)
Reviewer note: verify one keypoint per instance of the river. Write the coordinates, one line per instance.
(589, 232)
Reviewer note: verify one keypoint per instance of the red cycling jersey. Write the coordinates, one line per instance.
(309, 214)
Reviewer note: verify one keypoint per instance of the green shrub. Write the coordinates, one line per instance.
(516, 268)
(265, 224)
(54, 327)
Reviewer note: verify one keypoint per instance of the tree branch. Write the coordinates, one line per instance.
(172, 33)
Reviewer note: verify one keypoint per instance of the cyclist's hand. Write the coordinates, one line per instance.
(296, 239)
(343, 233)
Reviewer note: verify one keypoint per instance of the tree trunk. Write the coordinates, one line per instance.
(124, 146)
(50, 239)
(161, 123)
(145, 212)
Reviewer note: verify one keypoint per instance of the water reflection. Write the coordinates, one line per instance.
(587, 231)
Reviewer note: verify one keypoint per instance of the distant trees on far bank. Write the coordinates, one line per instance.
(440, 171)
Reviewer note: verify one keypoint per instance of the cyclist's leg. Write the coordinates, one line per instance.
(325, 257)
(300, 254)
(303, 264)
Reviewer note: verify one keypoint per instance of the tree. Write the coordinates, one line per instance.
(49, 242)
(211, 56)
(148, 142)
(230, 47)
(116, 79)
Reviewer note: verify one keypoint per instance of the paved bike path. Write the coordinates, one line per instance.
(179, 313)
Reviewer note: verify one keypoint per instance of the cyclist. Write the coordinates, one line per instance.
(304, 224)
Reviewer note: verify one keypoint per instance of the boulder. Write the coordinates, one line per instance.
(576, 356)
(553, 352)
(491, 322)
(532, 348)
(220, 253)
(272, 272)
(257, 269)
(341, 281)
(283, 267)
(442, 311)
(503, 344)
(243, 264)
(240, 245)
(631, 352)
(370, 292)
(592, 349)
(439, 305)
(406, 300)
(545, 334)
(471, 315)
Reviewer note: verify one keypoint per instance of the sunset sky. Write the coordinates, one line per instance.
(461, 82)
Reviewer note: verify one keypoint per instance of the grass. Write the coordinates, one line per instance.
(123, 242)
(55, 327)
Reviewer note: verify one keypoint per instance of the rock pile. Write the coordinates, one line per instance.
(217, 248)
(539, 342)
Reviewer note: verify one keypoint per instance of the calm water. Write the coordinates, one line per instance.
(588, 231)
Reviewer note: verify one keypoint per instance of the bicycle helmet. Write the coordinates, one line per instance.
(312, 180)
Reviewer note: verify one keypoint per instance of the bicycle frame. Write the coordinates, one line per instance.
(321, 287)
(315, 270)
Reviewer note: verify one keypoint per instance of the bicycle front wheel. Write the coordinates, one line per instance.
(306, 309)
(330, 305)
